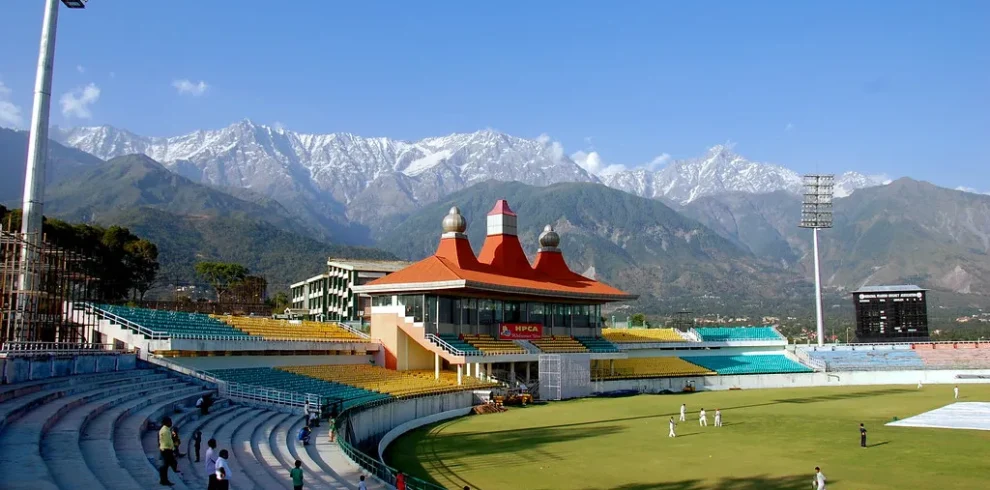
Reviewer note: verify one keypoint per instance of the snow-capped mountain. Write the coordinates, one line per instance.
(341, 164)
(342, 177)
(721, 170)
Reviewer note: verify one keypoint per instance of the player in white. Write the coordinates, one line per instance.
(955, 392)
(702, 418)
(819, 481)
(919, 384)
(718, 418)
(683, 412)
(672, 428)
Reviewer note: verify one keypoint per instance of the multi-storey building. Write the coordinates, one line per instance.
(330, 297)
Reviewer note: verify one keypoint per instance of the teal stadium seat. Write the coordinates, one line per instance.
(754, 364)
(283, 380)
(174, 323)
(729, 334)
(597, 345)
(455, 341)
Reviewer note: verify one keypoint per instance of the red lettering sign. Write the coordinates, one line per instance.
(520, 331)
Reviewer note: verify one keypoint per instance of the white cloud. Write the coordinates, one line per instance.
(594, 164)
(186, 86)
(971, 190)
(789, 127)
(659, 161)
(77, 102)
(543, 139)
(10, 114)
(278, 126)
(80, 69)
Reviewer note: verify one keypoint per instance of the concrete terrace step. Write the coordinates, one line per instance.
(324, 479)
(210, 428)
(16, 407)
(10, 391)
(262, 443)
(243, 446)
(237, 461)
(96, 440)
(60, 445)
(20, 442)
(187, 422)
(332, 460)
(126, 436)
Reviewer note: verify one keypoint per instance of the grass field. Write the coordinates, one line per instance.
(771, 440)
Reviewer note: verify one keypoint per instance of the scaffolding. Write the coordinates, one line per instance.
(51, 310)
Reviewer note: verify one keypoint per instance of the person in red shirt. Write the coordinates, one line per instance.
(400, 482)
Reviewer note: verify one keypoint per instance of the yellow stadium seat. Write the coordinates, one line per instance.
(646, 367)
(401, 384)
(633, 335)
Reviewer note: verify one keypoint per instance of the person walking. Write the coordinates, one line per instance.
(671, 434)
(167, 449)
(862, 436)
(955, 392)
(703, 418)
(211, 464)
(718, 418)
(332, 423)
(683, 412)
(819, 480)
(361, 484)
(297, 476)
(197, 442)
(919, 384)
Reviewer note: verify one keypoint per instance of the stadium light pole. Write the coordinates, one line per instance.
(34, 176)
(816, 213)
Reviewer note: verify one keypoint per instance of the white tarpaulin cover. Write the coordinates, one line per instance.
(968, 415)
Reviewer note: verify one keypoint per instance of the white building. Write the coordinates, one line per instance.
(329, 296)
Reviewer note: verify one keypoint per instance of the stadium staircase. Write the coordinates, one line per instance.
(99, 431)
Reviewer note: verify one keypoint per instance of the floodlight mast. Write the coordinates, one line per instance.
(816, 213)
(37, 156)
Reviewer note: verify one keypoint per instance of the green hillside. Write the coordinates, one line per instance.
(637, 244)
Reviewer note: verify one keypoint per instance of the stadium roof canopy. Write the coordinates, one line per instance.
(502, 266)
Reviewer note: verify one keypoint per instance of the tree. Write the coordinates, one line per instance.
(638, 320)
(143, 260)
(280, 302)
(251, 289)
(221, 275)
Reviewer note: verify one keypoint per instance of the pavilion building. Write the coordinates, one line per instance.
(456, 309)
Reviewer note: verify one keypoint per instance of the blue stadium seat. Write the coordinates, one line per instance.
(753, 364)
(174, 323)
(286, 381)
(868, 360)
(455, 341)
(597, 345)
(728, 334)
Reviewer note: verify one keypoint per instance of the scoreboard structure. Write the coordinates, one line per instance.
(891, 314)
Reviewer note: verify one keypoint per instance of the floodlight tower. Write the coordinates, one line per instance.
(816, 213)
(34, 175)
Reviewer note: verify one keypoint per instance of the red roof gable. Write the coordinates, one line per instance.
(501, 207)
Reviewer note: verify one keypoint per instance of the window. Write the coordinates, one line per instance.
(497, 305)
(511, 312)
(447, 310)
(485, 311)
(537, 315)
(430, 310)
(470, 306)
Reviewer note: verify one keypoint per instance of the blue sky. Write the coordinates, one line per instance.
(897, 88)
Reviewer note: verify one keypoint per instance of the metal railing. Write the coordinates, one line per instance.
(152, 334)
(17, 347)
(354, 331)
(446, 346)
(374, 466)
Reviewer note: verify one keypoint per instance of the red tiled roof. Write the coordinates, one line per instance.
(502, 267)
(501, 207)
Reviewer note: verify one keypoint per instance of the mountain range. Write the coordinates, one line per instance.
(716, 230)
(355, 188)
